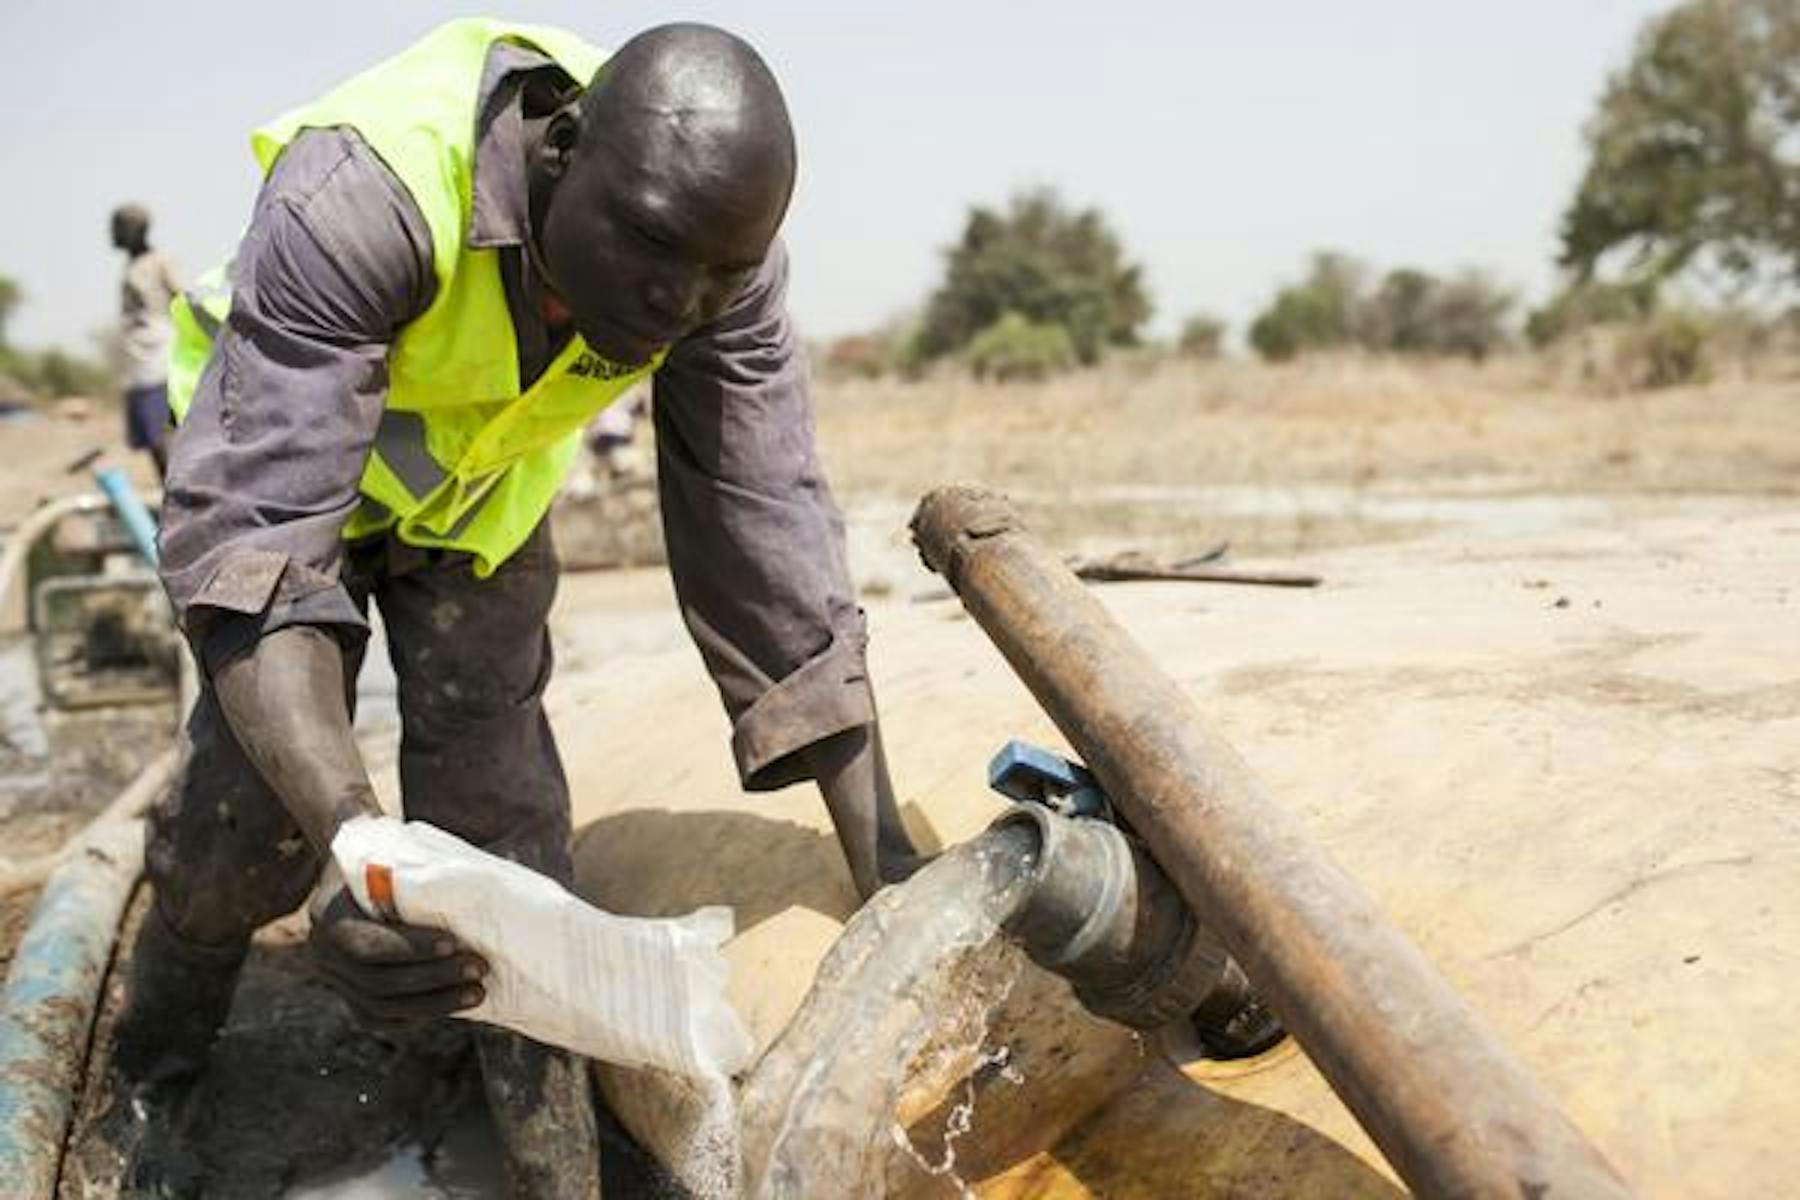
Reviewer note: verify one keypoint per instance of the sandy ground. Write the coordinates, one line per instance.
(1544, 708)
(40, 450)
(1564, 762)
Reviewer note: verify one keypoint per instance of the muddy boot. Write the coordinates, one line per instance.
(544, 1109)
(179, 995)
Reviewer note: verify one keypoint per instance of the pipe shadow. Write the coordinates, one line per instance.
(1165, 1135)
(659, 863)
(1157, 1133)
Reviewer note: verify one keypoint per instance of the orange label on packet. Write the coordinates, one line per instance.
(379, 879)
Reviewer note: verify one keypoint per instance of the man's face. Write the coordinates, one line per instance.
(647, 238)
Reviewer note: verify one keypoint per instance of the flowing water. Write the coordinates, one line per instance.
(905, 991)
(900, 1008)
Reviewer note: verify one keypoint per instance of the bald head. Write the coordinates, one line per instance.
(669, 181)
(698, 87)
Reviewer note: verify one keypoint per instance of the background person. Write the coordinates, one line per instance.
(148, 286)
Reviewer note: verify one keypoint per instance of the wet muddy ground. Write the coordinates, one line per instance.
(301, 1099)
(297, 1090)
(57, 770)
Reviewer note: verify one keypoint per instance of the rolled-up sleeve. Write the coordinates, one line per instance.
(756, 542)
(265, 469)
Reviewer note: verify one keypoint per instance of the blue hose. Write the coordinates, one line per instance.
(132, 514)
(47, 1009)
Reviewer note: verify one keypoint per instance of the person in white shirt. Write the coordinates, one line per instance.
(148, 286)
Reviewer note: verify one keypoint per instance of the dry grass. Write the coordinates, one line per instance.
(1141, 453)
(1343, 421)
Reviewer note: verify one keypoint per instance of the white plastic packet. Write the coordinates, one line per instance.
(636, 991)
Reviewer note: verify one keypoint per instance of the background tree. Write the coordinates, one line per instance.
(1695, 152)
(50, 373)
(1408, 312)
(1318, 313)
(1414, 312)
(10, 296)
(1202, 336)
(1398, 316)
(1017, 348)
(1586, 303)
(1044, 262)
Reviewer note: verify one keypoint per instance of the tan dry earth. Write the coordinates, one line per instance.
(1567, 763)
(1585, 813)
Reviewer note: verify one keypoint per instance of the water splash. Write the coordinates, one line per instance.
(960, 1120)
(912, 979)
(705, 1154)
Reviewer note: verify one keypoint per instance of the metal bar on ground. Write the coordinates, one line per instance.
(1109, 573)
(1452, 1110)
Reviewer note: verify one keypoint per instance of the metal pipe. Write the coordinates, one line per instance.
(1453, 1112)
(47, 1009)
(1099, 913)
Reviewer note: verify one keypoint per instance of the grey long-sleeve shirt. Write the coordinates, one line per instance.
(265, 469)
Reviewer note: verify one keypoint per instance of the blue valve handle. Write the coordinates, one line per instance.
(1033, 775)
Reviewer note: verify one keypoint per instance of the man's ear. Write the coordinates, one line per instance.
(561, 136)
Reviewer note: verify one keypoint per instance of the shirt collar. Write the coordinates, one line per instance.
(500, 201)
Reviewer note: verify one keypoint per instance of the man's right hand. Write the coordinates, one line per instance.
(389, 971)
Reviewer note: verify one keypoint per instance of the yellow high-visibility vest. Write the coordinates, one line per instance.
(464, 459)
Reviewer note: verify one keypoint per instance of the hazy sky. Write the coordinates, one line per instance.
(1224, 140)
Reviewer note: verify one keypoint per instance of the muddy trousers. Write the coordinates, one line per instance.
(472, 658)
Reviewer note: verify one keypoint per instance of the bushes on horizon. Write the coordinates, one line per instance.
(1016, 348)
(1666, 350)
(1413, 312)
(1629, 338)
(1465, 316)
(11, 296)
(1315, 314)
(882, 351)
(49, 374)
(1671, 346)
(1044, 262)
(1408, 312)
(1584, 304)
(56, 373)
(1202, 336)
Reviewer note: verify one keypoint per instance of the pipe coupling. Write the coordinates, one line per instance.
(1101, 914)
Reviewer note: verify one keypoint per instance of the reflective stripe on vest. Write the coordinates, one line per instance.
(400, 441)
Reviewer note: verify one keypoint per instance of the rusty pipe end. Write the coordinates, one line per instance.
(950, 519)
